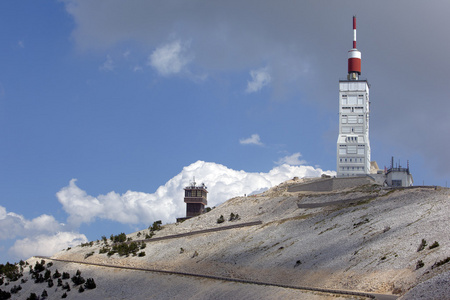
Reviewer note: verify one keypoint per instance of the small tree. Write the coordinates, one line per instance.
(48, 274)
(422, 245)
(90, 284)
(32, 296)
(220, 219)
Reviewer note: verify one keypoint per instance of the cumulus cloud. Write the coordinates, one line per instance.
(166, 203)
(260, 78)
(170, 59)
(254, 139)
(42, 235)
(108, 65)
(293, 159)
(46, 245)
(13, 225)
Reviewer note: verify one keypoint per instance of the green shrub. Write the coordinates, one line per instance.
(104, 250)
(220, 219)
(90, 284)
(419, 264)
(32, 296)
(10, 271)
(15, 289)
(48, 274)
(422, 245)
(4, 294)
(434, 245)
(441, 262)
(234, 217)
(77, 280)
(141, 254)
(39, 267)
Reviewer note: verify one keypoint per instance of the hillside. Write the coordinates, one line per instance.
(315, 239)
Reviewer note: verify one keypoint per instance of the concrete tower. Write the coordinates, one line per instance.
(353, 147)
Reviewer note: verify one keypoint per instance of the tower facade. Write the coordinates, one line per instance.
(353, 146)
(195, 198)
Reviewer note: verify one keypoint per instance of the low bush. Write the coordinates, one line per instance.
(419, 264)
(4, 294)
(234, 217)
(32, 296)
(422, 245)
(77, 280)
(90, 284)
(434, 245)
(220, 219)
(441, 262)
(15, 289)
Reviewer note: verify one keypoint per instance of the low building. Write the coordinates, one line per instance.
(398, 176)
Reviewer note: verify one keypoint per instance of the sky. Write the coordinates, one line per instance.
(109, 108)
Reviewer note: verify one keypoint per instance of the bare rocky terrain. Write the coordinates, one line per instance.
(312, 239)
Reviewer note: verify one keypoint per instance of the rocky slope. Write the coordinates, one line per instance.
(312, 239)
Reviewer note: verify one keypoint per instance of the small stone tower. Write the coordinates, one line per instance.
(195, 198)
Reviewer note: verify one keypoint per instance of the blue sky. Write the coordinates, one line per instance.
(108, 108)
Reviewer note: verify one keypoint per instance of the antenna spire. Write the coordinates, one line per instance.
(354, 57)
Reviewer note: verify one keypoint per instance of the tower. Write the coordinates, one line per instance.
(353, 147)
(195, 198)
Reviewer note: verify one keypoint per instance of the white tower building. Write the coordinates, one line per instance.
(353, 147)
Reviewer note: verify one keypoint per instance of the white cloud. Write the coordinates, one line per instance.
(292, 160)
(13, 225)
(137, 68)
(40, 236)
(21, 44)
(46, 245)
(253, 140)
(108, 65)
(166, 203)
(170, 59)
(260, 78)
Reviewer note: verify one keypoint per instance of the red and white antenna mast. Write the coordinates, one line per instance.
(354, 57)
